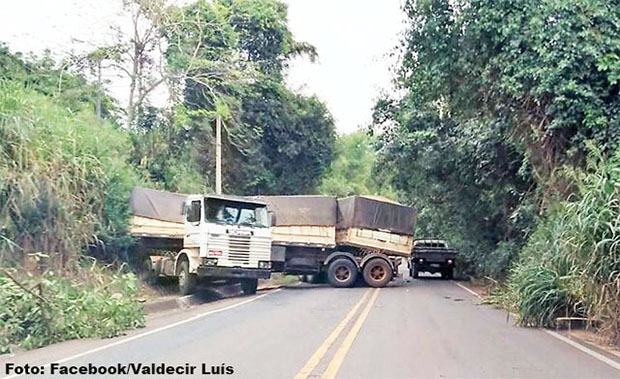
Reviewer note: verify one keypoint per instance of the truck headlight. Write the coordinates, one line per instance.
(209, 261)
(264, 264)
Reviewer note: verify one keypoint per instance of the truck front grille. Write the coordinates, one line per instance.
(239, 249)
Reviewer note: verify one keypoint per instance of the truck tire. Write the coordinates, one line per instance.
(147, 274)
(377, 272)
(342, 273)
(249, 286)
(187, 281)
(414, 272)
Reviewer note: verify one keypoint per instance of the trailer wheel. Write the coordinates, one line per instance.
(377, 272)
(249, 286)
(341, 273)
(187, 281)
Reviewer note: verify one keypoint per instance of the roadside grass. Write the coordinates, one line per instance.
(92, 301)
(570, 266)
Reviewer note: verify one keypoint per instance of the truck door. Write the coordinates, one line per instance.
(193, 219)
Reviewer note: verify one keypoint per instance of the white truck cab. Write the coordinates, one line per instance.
(224, 238)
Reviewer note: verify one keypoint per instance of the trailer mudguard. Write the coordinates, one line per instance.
(338, 254)
(376, 255)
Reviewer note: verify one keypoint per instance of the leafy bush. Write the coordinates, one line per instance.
(571, 264)
(40, 310)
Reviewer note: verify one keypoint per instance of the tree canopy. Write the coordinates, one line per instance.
(499, 96)
(232, 56)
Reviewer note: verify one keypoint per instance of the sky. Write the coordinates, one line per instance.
(354, 39)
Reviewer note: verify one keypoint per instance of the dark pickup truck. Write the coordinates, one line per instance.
(430, 255)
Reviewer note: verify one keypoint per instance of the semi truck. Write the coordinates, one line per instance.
(340, 239)
(216, 238)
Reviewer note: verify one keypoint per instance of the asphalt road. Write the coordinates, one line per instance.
(422, 329)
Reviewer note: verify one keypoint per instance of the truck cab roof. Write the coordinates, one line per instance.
(239, 199)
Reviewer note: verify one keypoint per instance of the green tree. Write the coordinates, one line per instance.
(353, 171)
(499, 95)
(54, 79)
(231, 56)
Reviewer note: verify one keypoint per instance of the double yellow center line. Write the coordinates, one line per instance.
(341, 353)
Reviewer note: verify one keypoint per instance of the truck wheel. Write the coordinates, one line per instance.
(187, 281)
(249, 286)
(342, 273)
(414, 272)
(447, 273)
(147, 274)
(377, 272)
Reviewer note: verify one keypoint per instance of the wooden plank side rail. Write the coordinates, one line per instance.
(398, 244)
(147, 227)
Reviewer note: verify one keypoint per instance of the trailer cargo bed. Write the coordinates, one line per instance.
(376, 240)
(148, 227)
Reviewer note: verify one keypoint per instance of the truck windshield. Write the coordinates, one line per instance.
(236, 213)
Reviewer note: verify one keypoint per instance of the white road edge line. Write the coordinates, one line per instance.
(584, 349)
(467, 289)
(133, 338)
(574, 344)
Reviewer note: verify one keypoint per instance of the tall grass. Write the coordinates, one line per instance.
(64, 187)
(571, 264)
(64, 181)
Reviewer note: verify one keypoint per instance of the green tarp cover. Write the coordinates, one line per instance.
(368, 213)
(302, 210)
(159, 205)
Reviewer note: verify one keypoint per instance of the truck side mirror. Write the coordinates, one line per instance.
(272, 218)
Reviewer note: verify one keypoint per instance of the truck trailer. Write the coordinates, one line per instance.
(217, 238)
(340, 239)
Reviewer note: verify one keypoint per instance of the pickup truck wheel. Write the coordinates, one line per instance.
(377, 272)
(187, 281)
(342, 273)
(249, 286)
(414, 272)
(447, 273)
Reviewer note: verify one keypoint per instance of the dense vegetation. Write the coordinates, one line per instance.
(41, 309)
(64, 182)
(354, 169)
(69, 153)
(502, 101)
(235, 69)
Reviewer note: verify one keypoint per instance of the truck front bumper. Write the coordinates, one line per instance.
(233, 272)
